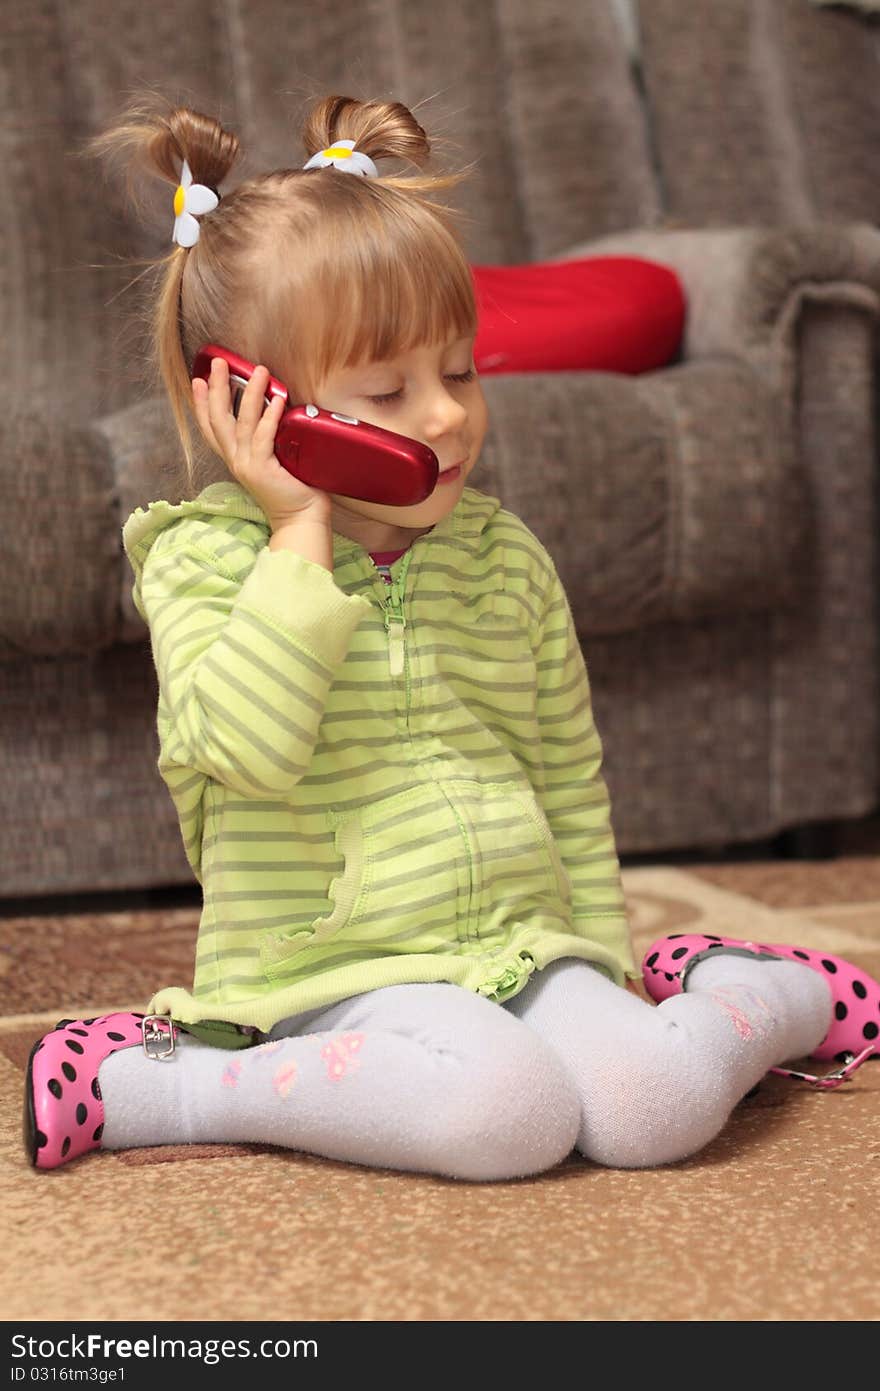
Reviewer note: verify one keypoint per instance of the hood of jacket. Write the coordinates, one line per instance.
(466, 523)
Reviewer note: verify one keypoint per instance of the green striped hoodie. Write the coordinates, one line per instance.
(376, 784)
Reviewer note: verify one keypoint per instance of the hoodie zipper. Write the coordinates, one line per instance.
(395, 625)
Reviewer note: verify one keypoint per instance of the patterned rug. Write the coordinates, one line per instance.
(777, 1219)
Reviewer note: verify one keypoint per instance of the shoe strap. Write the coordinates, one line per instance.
(158, 1035)
(830, 1079)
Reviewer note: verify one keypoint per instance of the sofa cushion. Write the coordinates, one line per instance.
(674, 496)
(670, 497)
(601, 314)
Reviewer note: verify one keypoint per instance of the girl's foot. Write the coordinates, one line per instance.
(63, 1109)
(856, 995)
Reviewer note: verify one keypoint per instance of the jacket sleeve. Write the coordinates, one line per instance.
(244, 667)
(574, 795)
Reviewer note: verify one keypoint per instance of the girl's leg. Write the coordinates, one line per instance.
(658, 1082)
(431, 1078)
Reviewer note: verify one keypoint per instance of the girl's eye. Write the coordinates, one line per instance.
(386, 400)
(396, 395)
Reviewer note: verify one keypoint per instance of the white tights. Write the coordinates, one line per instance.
(436, 1079)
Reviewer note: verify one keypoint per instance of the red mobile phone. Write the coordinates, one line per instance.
(336, 453)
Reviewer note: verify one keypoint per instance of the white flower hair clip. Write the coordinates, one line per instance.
(343, 155)
(190, 201)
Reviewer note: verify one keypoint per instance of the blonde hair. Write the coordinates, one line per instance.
(302, 270)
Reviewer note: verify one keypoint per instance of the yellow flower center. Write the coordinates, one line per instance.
(179, 200)
(337, 152)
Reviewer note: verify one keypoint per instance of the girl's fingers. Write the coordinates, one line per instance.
(252, 401)
(200, 406)
(228, 435)
(220, 409)
(268, 425)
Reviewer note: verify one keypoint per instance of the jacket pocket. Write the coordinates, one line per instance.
(403, 882)
(518, 877)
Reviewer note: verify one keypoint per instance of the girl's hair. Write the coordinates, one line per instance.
(303, 270)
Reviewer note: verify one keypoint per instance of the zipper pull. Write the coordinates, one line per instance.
(395, 623)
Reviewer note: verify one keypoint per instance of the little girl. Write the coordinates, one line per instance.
(376, 728)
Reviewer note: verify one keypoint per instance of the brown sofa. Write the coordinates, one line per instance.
(715, 522)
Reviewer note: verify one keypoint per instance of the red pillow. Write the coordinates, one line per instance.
(599, 314)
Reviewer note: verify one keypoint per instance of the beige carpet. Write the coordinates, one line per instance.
(779, 1219)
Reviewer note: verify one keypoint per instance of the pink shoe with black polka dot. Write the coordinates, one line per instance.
(668, 962)
(63, 1107)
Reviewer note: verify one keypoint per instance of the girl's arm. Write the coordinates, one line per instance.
(246, 651)
(575, 797)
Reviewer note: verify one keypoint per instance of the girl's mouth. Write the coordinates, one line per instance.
(449, 475)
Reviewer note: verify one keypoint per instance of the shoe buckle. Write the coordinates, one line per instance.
(829, 1079)
(158, 1036)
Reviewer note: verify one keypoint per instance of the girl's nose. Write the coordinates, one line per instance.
(444, 414)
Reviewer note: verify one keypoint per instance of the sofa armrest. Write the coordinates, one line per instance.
(143, 449)
(747, 286)
(68, 489)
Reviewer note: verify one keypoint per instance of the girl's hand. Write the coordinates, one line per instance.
(247, 445)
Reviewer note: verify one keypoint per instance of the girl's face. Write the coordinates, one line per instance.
(432, 394)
